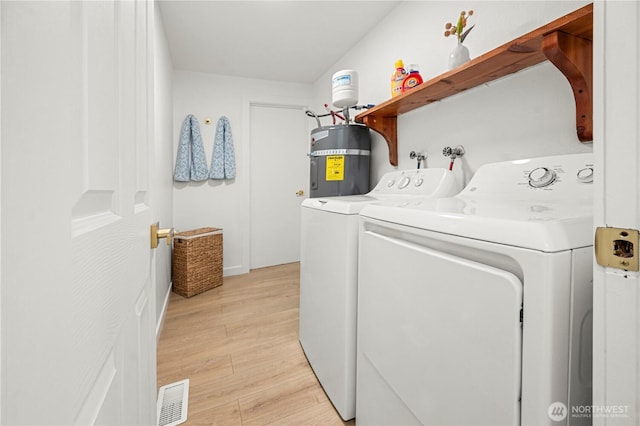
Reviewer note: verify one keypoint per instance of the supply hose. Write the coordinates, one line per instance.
(314, 115)
(334, 114)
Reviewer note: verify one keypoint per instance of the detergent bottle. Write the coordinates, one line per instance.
(397, 78)
(412, 79)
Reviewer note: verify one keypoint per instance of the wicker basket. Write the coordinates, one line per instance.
(197, 261)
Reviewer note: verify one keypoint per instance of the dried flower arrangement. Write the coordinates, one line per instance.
(458, 29)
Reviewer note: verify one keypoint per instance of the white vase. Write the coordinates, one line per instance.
(458, 56)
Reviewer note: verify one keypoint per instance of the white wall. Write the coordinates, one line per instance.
(527, 114)
(222, 204)
(531, 113)
(161, 181)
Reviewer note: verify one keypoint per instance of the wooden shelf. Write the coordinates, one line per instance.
(566, 42)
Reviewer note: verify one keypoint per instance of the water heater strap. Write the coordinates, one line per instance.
(326, 152)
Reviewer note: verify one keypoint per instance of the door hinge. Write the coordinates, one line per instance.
(617, 248)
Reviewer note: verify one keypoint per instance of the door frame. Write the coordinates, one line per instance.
(1, 216)
(616, 310)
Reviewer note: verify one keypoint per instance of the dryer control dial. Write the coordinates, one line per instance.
(541, 177)
(404, 182)
(585, 175)
(419, 182)
(391, 182)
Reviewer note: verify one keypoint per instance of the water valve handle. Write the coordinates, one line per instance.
(458, 151)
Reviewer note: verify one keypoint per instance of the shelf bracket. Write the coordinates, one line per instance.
(388, 128)
(573, 56)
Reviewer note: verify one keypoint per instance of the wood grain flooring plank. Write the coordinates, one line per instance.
(275, 403)
(321, 414)
(238, 345)
(226, 414)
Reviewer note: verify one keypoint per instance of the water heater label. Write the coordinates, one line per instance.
(335, 167)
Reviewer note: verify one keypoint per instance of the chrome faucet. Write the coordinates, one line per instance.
(453, 153)
(458, 151)
(419, 156)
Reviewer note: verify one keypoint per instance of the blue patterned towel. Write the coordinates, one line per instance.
(191, 163)
(223, 161)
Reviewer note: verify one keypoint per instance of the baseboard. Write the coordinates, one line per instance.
(235, 270)
(165, 305)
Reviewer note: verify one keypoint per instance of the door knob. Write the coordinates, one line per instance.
(157, 234)
(300, 193)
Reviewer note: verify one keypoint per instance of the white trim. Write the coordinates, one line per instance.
(1, 381)
(233, 270)
(163, 314)
(598, 380)
(616, 319)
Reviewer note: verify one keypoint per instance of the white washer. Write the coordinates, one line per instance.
(477, 309)
(328, 275)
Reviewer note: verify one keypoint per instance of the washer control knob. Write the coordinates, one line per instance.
(404, 182)
(541, 177)
(419, 182)
(391, 182)
(585, 175)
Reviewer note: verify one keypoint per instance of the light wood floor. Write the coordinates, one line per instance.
(238, 345)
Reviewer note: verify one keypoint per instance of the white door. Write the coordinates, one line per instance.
(78, 344)
(616, 303)
(279, 170)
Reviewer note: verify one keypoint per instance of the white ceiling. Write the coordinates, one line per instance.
(293, 41)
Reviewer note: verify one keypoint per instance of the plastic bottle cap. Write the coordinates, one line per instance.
(414, 68)
(399, 63)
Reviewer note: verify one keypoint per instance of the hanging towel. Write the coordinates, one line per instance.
(191, 163)
(223, 160)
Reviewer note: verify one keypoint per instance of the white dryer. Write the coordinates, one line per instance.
(328, 275)
(477, 309)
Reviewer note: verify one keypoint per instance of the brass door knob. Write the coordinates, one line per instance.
(157, 234)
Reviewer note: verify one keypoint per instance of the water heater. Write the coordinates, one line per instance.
(339, 160)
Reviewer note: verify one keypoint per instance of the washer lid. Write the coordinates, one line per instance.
(396, 185)
(501, 205)
(346, 204)
(543, 226)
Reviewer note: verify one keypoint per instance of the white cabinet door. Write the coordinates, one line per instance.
(78, 316)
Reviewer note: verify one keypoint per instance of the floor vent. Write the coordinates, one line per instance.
(173, 401)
